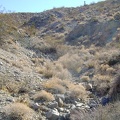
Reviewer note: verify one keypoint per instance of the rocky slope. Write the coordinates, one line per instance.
(61, 63)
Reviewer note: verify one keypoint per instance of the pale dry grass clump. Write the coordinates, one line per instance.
(106, 54)
(110, 70)
(102, 83)
(90, 64)
(109, 112)
(19, 111)
(114, 92)
(98, 78)
(13, 87)
(17, 87)
(71, 62)
(55, 85)
(63, 74)
(77, 91)
(85, 78)
(103, 89)
(53, 69)
(104, 67)
(47, 69)
(43, 96)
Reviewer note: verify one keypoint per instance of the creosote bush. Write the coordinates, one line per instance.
(43, 96)
(19, 111)
(77, 91)
(55, 85)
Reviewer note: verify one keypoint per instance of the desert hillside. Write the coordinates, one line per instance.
(61, 64)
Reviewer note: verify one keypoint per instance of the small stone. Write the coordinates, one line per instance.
(62, 96)
(60, 102)
(105, 100)
(73, 107)
(53, 114)
(67, 111)
(1, 63)
(79, 104)
(34, 106)
(10, 100)
(87, 106)
(53, 105)
(92, 103)
(61, 109)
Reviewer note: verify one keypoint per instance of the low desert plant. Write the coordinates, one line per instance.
(117, 16)
(63, 74)
(19, 111)
(77, 91)
(43, 96)
(73, 63)
(98, 78)
(55, 85)
(85, 79)
(114, 92)
(110, 70)
(109, 112)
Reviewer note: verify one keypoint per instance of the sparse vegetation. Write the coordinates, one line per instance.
(77, 91)
(110, 112)
(43, 96)
(19, 111)
(67, 56)
(117, 16)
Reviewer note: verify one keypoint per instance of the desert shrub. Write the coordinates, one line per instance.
(7, 27)
(107, 56)
(110, 70)
(19, 111)
(7, 83)
(90, 64)
(54, 69)
(94, 20)
(55, 85)
(77, 91)
(17, 87)
(102, 89)
(102, 83)
(30, 30)
(48, 73)
(72, 64)
(63, 49)
(3, 80)
(98, 78)
(114, 60)
(114, 92)
(117, 16)
(12, 87)
(43, 96)
(104, 67)
(109, 112)
(85, 78)
(63, 74)
(47, 69)
(23, 89)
